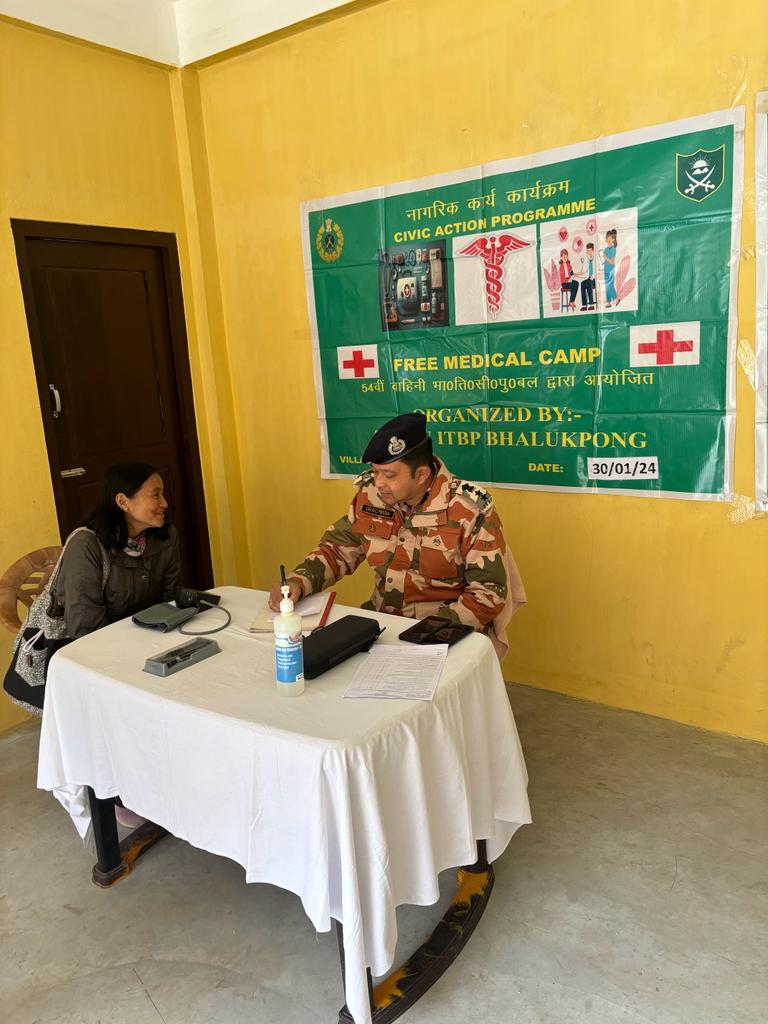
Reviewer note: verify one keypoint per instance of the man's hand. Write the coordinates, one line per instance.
(276, 595)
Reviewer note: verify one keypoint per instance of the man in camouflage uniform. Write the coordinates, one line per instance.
(434, 542)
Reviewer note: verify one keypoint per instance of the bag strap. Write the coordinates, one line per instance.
(46, 591)
(105, 564)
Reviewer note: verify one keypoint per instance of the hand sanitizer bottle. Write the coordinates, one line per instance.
(289, 649)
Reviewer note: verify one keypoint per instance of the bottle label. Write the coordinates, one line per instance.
(289, 658)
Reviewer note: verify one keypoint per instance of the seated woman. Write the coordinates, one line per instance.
(143, 552)
(128, 528)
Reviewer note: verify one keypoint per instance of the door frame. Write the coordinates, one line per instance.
(165, 243)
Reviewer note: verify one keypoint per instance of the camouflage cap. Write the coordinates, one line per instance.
(397, 438)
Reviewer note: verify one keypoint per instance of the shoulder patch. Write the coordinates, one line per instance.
(365, 479)
(475, 494)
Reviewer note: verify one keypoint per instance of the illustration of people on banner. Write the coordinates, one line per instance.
(589, 264)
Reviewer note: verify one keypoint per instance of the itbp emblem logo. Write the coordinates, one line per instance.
(700, 174)
(329, 240)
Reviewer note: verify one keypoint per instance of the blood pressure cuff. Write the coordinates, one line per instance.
(333, 644)
(164, 616)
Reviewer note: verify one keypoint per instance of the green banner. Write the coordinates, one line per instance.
(566, 321)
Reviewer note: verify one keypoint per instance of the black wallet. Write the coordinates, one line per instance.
(435, 630)
(333, 644)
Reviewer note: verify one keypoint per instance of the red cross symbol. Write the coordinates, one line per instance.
(664, 347)
(357, 363)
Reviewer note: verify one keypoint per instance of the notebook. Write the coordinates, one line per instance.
(309, 608)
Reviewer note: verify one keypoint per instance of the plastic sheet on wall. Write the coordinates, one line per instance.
(761, 354)
(565, 320)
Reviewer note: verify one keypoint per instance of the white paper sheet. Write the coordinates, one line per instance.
(407, 672)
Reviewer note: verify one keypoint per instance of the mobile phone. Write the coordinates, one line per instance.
(435, 630)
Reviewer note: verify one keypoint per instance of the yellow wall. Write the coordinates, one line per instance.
(653, 605)
(86, 136)
(649, 604)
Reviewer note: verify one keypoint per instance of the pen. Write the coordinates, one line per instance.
(326, 610)
(178, 659)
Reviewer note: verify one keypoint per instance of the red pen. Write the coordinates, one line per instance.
(326, 610)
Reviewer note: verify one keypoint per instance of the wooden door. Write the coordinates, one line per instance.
(106, 323)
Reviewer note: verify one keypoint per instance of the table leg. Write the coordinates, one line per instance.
(405, 985)
(114, 858)
(109, 866)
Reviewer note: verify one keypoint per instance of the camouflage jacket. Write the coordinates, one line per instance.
(447, 556)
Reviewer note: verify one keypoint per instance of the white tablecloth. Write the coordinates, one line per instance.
(354, 805)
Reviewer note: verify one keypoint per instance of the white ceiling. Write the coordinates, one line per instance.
(170, 31)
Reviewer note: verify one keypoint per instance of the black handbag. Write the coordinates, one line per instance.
(30, 696)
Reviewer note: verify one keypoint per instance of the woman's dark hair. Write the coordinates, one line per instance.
(107, 520)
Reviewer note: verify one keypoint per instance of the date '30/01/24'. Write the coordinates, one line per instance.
(623, 469)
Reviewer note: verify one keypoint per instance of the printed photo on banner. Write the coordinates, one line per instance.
(413, 289)
(495, 277)
(589, 264)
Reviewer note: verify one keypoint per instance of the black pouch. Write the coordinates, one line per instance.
(333, 644)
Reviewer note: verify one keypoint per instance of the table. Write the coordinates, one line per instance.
(354, 805)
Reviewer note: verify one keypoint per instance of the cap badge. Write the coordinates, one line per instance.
(396, 446)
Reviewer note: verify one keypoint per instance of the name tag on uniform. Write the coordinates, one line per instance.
(382, 513)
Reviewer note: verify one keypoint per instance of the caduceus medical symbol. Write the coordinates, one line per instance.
(493, 251)
(702, 172)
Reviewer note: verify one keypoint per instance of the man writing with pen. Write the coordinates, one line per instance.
(434, 542)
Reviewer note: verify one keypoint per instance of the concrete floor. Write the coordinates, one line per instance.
(639, 895)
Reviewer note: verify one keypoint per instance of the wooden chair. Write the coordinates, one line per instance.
(22, 582)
